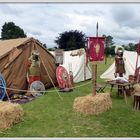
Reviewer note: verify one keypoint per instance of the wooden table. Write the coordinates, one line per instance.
(121, 87)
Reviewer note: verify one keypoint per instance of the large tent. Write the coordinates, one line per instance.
(130, 58)
(75, 61)
(14, 54)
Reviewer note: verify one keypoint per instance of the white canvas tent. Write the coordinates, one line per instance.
(130, 64)
(77, 64)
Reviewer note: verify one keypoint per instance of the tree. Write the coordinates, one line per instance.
(108, 40)
(109, 48)
(11, 31)
(131, 47)
(70, 40)
(52, 49)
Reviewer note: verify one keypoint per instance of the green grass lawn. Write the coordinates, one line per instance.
(49, 116)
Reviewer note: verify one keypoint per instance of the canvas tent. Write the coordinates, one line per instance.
(130, 64)
(14, 54)
(76, 62)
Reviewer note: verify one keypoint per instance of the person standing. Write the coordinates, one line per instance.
(119, 63)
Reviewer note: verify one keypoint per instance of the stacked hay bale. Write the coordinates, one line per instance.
(93, 105)
(10, 114)
(137, 88)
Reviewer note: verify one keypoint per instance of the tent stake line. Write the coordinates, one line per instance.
(20, 90)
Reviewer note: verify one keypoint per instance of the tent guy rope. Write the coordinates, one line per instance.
(50, 77)
(20, 90)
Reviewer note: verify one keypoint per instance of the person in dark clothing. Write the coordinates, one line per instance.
(119, 63)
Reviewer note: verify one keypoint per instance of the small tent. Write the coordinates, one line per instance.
(130, 58)
(75, 61)
(14, 54)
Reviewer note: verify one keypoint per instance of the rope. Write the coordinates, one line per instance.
(7, 95)
(49, 76)
(20, 90)
(82, 85)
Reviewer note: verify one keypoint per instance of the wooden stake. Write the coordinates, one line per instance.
(105, 59)
(94, 77)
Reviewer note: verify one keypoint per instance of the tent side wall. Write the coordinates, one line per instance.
(15, 73)
(77, 64)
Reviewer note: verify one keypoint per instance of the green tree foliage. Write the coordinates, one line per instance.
(110, 50)
(11, 31)
(70, 40)
(51, 49)
(109, 45)
(108, 40)
(131, 47)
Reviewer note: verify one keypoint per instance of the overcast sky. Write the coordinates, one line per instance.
(45, 21)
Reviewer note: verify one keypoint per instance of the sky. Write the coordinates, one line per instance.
(45, 21)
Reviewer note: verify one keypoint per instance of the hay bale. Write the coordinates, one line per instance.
(10, 113)
(92, 105)
(136, 87)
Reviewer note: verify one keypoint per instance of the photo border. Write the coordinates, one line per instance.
(70, 2)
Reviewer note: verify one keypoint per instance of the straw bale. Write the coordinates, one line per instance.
(10, 113)
(93, 105)
(136, 87)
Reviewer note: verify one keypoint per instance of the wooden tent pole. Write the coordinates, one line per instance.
(94, 71)
(105, 59)
(84, 68)
(94, 78)
(136, 67)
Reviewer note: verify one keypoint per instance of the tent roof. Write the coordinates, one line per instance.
(7, 45)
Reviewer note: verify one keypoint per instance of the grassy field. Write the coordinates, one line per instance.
(49, 116)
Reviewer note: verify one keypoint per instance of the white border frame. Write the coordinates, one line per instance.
(70, 2)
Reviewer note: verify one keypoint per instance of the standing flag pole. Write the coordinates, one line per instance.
(97, 30)
(106, 45)
(94, 70)
(87, 53)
